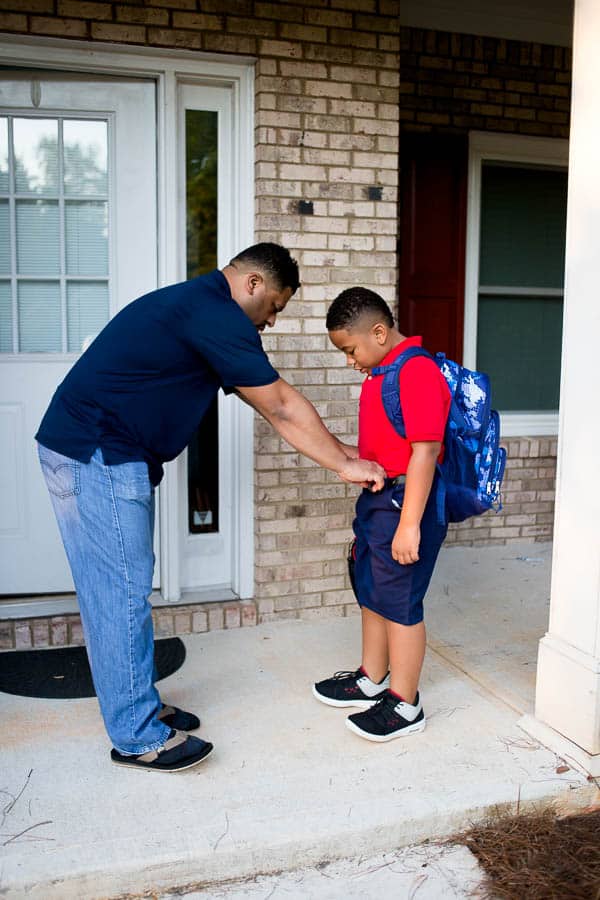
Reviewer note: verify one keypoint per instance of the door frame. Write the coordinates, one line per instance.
(168, 68)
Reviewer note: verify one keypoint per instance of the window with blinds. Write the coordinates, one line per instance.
(54, 259)
(520, 293)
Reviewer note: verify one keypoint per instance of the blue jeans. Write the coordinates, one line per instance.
(106, 520)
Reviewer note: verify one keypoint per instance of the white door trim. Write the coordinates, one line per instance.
(486, 145)
(168, 68)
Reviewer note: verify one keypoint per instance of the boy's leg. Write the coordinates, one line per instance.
(368, 684)
(398, 711)
(375, 654)
(406, 645)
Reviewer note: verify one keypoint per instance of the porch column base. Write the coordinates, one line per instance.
(572, 754)
(568, 695)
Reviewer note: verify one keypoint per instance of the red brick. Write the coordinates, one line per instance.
(127, 34)
(84, 10)
(59, 27)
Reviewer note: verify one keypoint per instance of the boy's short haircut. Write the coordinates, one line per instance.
(272, 260)
(354, 303)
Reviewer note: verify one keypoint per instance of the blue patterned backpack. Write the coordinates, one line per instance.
(473, 466)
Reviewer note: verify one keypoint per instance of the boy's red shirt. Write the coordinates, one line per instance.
(425, 399)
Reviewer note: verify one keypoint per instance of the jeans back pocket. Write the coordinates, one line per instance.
(62, 474)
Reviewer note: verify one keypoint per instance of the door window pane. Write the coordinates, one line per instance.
(38, 238)
(86, 229)
(3, 155)
(87, 313)
(36, 155)
(521, 273)
(6, 338)
(39, 317)
(4, 238)
(61, 231)
(85, 158)
(201, 148)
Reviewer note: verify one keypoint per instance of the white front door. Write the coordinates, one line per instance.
(78, 237)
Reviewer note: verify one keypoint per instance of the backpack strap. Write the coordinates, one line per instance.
(390, 396)
(390, 389)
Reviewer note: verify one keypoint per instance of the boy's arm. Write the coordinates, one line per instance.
(419, 478)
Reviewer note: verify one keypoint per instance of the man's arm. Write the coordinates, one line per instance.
(298, 422)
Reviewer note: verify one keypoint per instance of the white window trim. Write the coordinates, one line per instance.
(503, 148)
(168, 68)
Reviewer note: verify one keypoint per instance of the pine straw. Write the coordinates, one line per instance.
(538, 856)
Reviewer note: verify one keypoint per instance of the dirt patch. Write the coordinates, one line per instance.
(538, 856)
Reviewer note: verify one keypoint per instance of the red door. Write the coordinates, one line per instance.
(432, 240)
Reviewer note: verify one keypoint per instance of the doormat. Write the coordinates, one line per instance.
(64, 673)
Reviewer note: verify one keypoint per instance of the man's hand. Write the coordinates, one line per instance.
(350, 450)
(363, 472)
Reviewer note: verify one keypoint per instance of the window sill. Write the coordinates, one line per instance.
(530, 424)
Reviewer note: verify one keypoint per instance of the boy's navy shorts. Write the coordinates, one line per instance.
(393, 590)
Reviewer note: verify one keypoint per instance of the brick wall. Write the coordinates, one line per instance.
(460, 83)
(66, 631)
(527, 501)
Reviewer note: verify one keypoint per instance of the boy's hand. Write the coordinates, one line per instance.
(405, 545)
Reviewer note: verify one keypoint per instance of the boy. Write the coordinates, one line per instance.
(397, 533)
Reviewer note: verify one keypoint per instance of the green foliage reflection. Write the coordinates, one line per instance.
(201, 190)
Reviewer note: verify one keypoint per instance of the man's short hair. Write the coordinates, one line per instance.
(272, 260)
(355, 303)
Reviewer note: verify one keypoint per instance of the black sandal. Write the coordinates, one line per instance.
(179, 752)
(178, 719)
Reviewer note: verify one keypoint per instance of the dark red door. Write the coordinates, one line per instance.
(432, 239)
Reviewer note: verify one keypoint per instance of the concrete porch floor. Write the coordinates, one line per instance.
(288, 786)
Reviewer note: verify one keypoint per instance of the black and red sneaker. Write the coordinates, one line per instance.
(389, 718)
(351, 689)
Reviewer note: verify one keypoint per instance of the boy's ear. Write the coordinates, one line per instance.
(380, 332)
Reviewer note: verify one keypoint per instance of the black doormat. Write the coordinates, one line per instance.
(64, 673)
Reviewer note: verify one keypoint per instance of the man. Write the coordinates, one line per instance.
(131, 402)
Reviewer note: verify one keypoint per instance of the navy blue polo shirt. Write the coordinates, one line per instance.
(140, 390)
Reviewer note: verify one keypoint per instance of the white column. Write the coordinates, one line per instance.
(568, 681)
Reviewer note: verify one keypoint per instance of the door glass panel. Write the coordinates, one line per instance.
(39, 317)
(201, 155)
(85, 158)
(521, 273)
(36, 155)
(38, 238)
(61, 230)
(86, 227)
(4, 238)
(6, 340)
(3, 154)
(87, 312)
